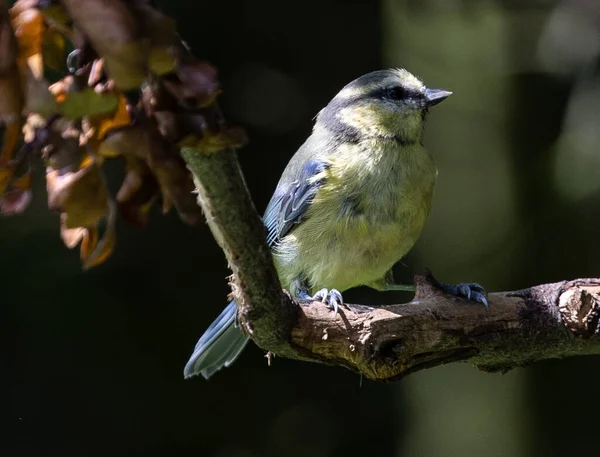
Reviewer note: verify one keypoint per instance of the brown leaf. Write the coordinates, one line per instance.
(163, 160)
(11, 93)
(196, 84)
(59, 141)
(20, 6)
(74, 103)
(15, 202)
(161, 31)
(104, 123)
(93, 250)
(29, 28)
(116, 36)
(81, 195)
(88, 103)
(93, 254)
(17, 198)
(138, 193)
(175, 122)
(96, 72)
(83, 200)
(89, 241)
(71, 237)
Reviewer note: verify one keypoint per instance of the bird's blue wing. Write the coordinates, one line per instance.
(291, 200)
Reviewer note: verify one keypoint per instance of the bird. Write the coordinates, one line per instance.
(350, 204)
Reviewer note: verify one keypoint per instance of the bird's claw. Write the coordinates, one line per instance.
(470, 290)
(332, 297)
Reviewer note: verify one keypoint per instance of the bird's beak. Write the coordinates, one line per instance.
(435, 96)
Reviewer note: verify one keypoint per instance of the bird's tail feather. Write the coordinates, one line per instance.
(220, 345)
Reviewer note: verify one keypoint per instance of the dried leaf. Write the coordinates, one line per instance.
(196, 84)
(199, 81)
(88, 103)
(96, 73)
(75, 104)
(35, 65)
(138, 193)
(120, 44)
(176, 123)
(29, 28)
(60, 88)
(93, 254)
(104, 123)
(115, 35)
(161, 31)
(71, 237)
(81, 195)
(164, 162)
(11, 93)
(15, 201)
(89, 241)
(20, 6)
(161, 60)
(83, 200)
(61, 148)
(93, 250)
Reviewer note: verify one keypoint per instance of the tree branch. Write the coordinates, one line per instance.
(385, 343)
(519, 328)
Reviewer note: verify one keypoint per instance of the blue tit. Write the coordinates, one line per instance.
(350, 204)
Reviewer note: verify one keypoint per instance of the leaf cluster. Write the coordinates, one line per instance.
(128, 88)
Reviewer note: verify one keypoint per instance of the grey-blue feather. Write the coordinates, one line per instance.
(220, 345)
(291, 200)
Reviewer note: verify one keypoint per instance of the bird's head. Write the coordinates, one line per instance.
(389, 104)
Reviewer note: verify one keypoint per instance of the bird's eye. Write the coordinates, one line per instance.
(396, 93)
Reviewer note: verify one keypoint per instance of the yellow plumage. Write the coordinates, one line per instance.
(392, 190)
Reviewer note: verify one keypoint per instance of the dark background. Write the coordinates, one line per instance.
(91, 363)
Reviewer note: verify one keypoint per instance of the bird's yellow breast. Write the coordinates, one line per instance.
(366, 216)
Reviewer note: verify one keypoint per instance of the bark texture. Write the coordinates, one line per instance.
(521, 327)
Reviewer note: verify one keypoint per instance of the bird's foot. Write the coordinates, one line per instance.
(333, 298)
(469, 290)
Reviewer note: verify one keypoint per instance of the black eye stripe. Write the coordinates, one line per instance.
(395, 93)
